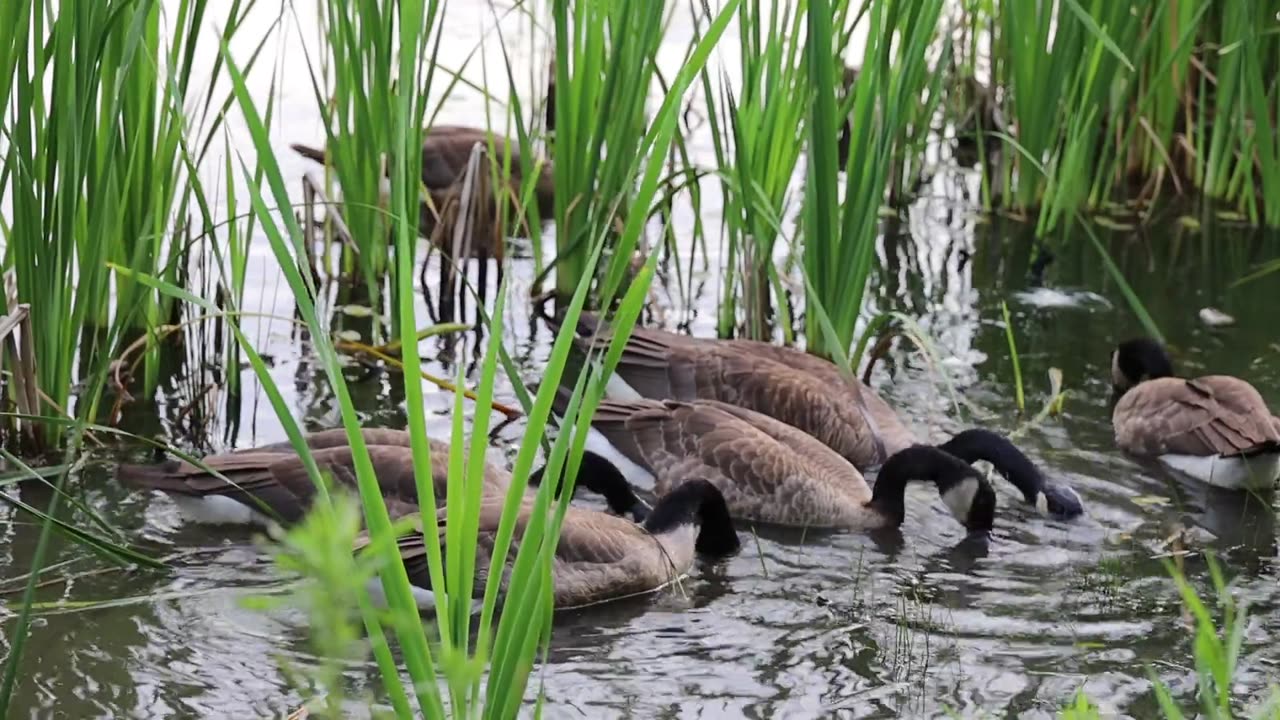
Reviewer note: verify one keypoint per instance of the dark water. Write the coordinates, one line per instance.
(844, 624)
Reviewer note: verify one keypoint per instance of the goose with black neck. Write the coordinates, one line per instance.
(767, 471)
(1215, 428)
(801, 390)
(601, 557)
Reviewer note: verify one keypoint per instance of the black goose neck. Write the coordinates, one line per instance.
(604, 479)
(980, 444)
(926, 463)
(1142, 359)
(696, 502)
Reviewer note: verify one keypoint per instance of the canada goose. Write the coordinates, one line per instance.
(804, 391)
(270, 483)
(446, 151)
(599, 557)
(1214, 428)
(1049, 498)
(771, 472)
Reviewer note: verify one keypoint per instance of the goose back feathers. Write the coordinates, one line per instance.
(1215, 428)
(771, 472)
(258, 485)
(599, 557)
(790, 385)
(805, 392)
(1211, 415)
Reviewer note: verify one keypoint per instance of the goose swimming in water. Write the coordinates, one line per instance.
(599, 557)
(768, 471)
(1214, 428)
(806, 392)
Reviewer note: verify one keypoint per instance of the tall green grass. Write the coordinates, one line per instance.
(1216, 629)
(102, 129)
(757, 130)
(1135, 98)
(840, 232)
(359, 90)
(604, 66)
(490, 678)
(100, 140)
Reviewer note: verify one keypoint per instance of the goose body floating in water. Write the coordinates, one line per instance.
(806, 392)
(770, 472)
(270, 483)
(599, 556)
(1214, 428)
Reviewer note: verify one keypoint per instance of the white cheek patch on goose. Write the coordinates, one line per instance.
(959, 498)
(600, 445)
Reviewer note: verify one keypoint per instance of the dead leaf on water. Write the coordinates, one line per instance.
(1146, 500)
(1231, 215)
(1055, 391)
(1189, 222)
(348, 335)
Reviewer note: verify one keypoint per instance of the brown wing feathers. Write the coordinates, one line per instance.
(790, 385)
(276, 481)
(767, 470)
(1235, 420)
(1212, 415)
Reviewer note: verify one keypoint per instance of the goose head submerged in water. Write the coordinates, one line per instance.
(768, 472)
(803, 391)
(964, 491)
(1052, 499)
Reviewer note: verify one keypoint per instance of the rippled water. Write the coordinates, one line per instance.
(898, 624)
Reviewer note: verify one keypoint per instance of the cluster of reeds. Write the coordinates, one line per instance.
(1134, 99)
(104, 127)
(358, 87)
(604, 66)
(490, 677)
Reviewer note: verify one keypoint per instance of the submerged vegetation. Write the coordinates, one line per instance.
(128, 227)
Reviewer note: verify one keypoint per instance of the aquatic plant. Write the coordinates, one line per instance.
(605, 59)
(757, 131)
(840, 233)
(1216, 648)
(103, 129)
(506, 646)
(361, 64)
(1132, 98)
